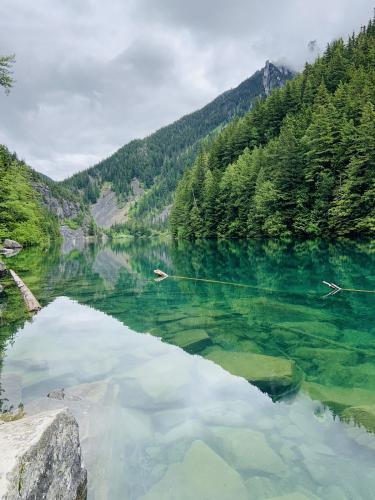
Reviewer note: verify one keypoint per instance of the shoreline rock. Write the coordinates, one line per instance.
(41, 458)
(11, 244)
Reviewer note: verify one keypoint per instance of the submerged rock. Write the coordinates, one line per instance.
(191, 340)
(361, 436)
(56, 394)
(41, 458)
(261, 488)
(319, 356)
(294, 496)
(333, 492)
(361, 415)
(170, 317)
(95, 392)
(11, 244)
(273, 375)
(194, 322)
(202, 475)
(11, 385)
(315, 329)
(10, 252)
(339, 398)
(248, 450)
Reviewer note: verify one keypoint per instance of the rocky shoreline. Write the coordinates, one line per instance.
(41, 458)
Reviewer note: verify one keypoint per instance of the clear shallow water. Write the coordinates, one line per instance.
(160, 422)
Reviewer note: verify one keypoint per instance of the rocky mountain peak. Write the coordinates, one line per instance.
(275, 76)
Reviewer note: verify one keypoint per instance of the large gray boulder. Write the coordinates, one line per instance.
(12, 244)
(41, 458)
(10, 252)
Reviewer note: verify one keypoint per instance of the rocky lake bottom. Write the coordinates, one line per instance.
(192, 390)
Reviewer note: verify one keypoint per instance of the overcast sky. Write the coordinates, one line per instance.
(93, 74)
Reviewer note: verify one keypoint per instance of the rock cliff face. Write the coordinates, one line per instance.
(62, 208)
(107, 212)
(73, 239)
(275, 76)
(41, 458)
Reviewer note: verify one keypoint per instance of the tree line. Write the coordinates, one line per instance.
(301, 162)
(159, 160)
(22, 214)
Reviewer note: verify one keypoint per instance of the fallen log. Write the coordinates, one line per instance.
(31, 303)
(162, 274)
(337, 289)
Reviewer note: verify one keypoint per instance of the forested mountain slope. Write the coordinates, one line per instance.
(302, 162)
(159, 160)
(22, 214)
(32, 206)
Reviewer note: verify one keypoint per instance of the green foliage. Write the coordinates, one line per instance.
(159, 160)
(76, 222)
(22, 216)
(130, 229)
(301, 163)
(6, 79)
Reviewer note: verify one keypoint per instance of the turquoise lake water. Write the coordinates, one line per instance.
(186, 389)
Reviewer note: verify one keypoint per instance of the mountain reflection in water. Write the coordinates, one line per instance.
(157, 422)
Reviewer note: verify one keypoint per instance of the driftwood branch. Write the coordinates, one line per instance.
(31, 303)
(335, 289)
(162, 274)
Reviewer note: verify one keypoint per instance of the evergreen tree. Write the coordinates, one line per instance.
(301, 162)
(6, 78)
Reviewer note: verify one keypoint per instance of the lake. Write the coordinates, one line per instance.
(252, 385)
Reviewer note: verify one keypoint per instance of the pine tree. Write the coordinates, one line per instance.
(302, 161)
(353, 211)
(210, 193)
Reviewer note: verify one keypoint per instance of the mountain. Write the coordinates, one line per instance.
(301, 162)
(23, 216)
(140, 178)
(32, 206)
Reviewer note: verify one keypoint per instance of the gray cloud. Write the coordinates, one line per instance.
(92, 75)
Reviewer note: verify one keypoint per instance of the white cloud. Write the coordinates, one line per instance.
(93, 75)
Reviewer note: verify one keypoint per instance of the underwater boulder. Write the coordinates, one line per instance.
(339, 398)
(202, 474)
(248, 450)
(329, 356)
(361, 415)
(191, 340)
(313, 329)
(276, 376)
